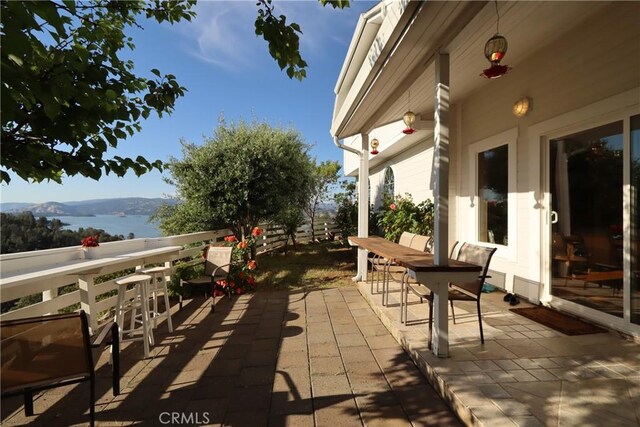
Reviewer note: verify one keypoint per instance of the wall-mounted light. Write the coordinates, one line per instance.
(374, 146)
(522, 107)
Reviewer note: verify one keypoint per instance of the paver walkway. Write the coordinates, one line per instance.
(272, 358)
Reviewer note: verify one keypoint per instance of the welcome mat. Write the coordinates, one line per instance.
(560, 322)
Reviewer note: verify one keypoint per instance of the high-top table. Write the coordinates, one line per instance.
(420, 267)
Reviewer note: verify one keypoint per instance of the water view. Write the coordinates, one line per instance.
(113, 224)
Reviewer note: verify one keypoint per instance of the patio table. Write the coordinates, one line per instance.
(421, 267)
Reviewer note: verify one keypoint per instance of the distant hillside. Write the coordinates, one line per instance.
(122, 206)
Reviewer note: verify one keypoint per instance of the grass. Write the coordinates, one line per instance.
(312, 266)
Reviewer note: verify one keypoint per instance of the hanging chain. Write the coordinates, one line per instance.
(498, 15)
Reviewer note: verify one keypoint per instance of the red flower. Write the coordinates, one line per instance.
(230, 238)
(242, 245)
(242, 275)
(251, 280)
(256, 231)
(232, 284)
(392, 206)
(90, 241)
(251, 265)
(238, 291)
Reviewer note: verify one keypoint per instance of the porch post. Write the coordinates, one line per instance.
(441, 160)
(363, 205)
(88, 299)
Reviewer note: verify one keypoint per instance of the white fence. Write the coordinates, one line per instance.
(45, 272)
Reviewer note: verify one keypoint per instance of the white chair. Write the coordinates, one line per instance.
(157, 288)
(140, 301)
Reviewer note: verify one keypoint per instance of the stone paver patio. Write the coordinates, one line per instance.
(525, 374)
(318, 358)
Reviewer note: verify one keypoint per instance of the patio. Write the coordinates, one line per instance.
(332, 356)
(278, 358)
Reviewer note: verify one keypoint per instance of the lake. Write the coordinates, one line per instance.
(112, 224)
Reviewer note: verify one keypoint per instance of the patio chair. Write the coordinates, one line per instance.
(217, 266)
(470, 291)
(379, 264)
(419, 242)
(39, 353)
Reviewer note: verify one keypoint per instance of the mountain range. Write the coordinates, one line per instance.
(119, 206)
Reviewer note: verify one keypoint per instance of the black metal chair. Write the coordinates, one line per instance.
(217, 266)
(470, 291)
(39, 353)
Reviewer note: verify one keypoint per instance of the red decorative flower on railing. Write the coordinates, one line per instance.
(256, 231)
(251, 265)
(90, 241)
(242, 245)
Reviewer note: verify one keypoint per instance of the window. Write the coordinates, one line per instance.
(493, 192)
(492, 174)
(388, 190)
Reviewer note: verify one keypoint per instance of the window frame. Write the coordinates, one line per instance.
(508, 138)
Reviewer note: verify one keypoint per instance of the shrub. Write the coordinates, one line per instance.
(401, 214)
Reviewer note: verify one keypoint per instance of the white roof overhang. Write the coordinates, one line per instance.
(460, 29)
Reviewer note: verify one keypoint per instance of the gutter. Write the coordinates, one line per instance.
(346, 148)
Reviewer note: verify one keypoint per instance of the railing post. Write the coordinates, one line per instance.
(49, 295)
(88, 299)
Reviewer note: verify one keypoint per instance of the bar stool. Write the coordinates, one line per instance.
(159, 285)
(139, 301)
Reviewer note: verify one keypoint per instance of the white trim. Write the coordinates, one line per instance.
(509, 138)
(615, 108)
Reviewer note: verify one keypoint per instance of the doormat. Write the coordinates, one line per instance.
(560, 322)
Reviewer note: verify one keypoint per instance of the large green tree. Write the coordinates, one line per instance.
(245, 174)
(324, 176)
(68, 96)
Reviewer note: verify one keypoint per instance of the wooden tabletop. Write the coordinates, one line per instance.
(412, 259)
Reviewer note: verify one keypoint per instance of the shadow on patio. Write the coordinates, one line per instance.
(304, 357)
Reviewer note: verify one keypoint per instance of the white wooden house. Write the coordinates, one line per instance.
(554, 188)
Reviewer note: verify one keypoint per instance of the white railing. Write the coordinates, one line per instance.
(45, 272)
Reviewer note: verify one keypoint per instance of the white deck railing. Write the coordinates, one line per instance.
(45, 272)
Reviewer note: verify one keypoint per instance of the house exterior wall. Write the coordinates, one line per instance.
(596, 60)
(412, 172)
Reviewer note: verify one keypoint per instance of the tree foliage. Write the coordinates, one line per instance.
(23, 232)
(244, 175)
(347, 210)
(67, 94)
(324, 175)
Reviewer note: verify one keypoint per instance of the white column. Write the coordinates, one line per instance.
(88, 299)
(441, 160)
(363, 205)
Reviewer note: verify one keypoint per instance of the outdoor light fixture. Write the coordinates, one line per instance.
(494, 50)
(374, 145)
(522, 107)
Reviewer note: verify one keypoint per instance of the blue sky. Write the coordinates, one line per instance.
(227, 71)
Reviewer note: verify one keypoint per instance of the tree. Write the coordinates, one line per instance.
(347, 210)
(68, 96)
(290, 219)
(324, 176)
(244, 175)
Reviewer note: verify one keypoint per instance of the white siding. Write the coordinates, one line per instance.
(596, 60)
(412, 172)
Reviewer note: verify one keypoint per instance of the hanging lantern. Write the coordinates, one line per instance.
(494, 50)
(409, 119)
(374, 145)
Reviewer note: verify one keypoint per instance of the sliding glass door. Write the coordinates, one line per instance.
(586, 188)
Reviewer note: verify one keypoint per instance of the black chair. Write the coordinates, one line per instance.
(40, 353)
(217, 266)
(470, 291)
